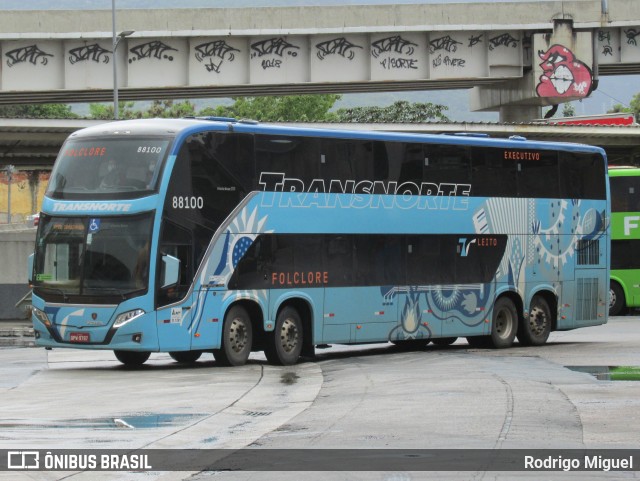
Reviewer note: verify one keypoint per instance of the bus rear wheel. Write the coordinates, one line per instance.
(132, 358)
(616, 299)
(284, 345)
(535, 330)
(237, 338)
(504, 323)
(186, 357)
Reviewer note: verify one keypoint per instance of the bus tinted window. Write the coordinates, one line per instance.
(625, 254)
(492, 174)
(298, 157)
(581, 176)
(538, 175)
(447, 164)
(624, 194)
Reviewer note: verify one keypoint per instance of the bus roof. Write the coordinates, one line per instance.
(187, 126)
(624, 171)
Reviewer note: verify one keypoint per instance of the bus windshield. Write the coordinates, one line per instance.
(104, 168)
(92, 257)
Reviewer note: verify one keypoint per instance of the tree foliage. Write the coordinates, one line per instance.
(289, 108)
(37, 111)
(159, 108)
(634, 107)
(400, 111)
(568, 110)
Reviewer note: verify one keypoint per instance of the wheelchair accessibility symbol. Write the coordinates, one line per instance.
(94, 225)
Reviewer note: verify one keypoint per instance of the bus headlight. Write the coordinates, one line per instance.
(128, 316)
(41, 316)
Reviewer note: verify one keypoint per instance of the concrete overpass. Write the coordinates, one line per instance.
(518, 55)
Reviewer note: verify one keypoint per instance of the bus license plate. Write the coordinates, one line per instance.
(79, 337)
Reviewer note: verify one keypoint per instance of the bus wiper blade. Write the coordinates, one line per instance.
(114, 290)
(65, 298)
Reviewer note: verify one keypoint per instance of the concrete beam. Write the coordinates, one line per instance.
(533, 15)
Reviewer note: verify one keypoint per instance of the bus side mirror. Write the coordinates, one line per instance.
(170, 270)
(30, 269)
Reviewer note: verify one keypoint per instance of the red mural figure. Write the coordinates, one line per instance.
(563, 75)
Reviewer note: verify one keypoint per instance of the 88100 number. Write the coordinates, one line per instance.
(187, 202)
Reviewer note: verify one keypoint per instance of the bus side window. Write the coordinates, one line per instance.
(492, 174)
(538, 177)
(338, 260)
(447, 164)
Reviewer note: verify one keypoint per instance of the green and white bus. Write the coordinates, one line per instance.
(625, 239)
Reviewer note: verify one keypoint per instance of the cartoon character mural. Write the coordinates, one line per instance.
(563, 75)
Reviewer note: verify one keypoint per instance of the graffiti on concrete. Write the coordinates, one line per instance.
(475, 40)
(504, 40)
(443, 43)
(448, 45)
(276, 46)
(214, 53)
(631, 34)
(93, 52)
(337, 46)
(154, 49)
(398, 53)
(604, 38)
(31, 54)
(563, 75)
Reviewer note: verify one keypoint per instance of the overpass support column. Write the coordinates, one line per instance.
(560, 70)
(519, 113)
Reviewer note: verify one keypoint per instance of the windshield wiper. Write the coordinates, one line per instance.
(114, 290)
(65, 297)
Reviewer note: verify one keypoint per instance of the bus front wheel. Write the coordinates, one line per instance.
(616, 298)
(284, 345)
(237, 338)
(535, 330)
(505, 323)
(132, 358)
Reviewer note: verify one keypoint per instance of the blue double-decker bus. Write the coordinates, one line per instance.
(215, 235)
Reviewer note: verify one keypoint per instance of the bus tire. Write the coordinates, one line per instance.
(132, 358)
(444, 341)
(237, 338)
(535, 329)
(504, 323)
(284, 345)
(187, 357)
(616, 299)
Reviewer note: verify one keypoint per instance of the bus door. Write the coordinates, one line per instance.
(175, 301)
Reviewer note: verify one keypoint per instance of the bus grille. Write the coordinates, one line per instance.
(588, 252)
(587, 299)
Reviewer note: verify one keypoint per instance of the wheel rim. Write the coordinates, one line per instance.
(237, 335)
(612, 298)
(289, 335)
(537, 321)
(504, 324)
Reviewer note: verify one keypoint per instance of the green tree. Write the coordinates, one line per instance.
(105, 111)
(568, 110)
(634, 107)
(400, 111)
(289, 108)
(169, 109)
(37, 111)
